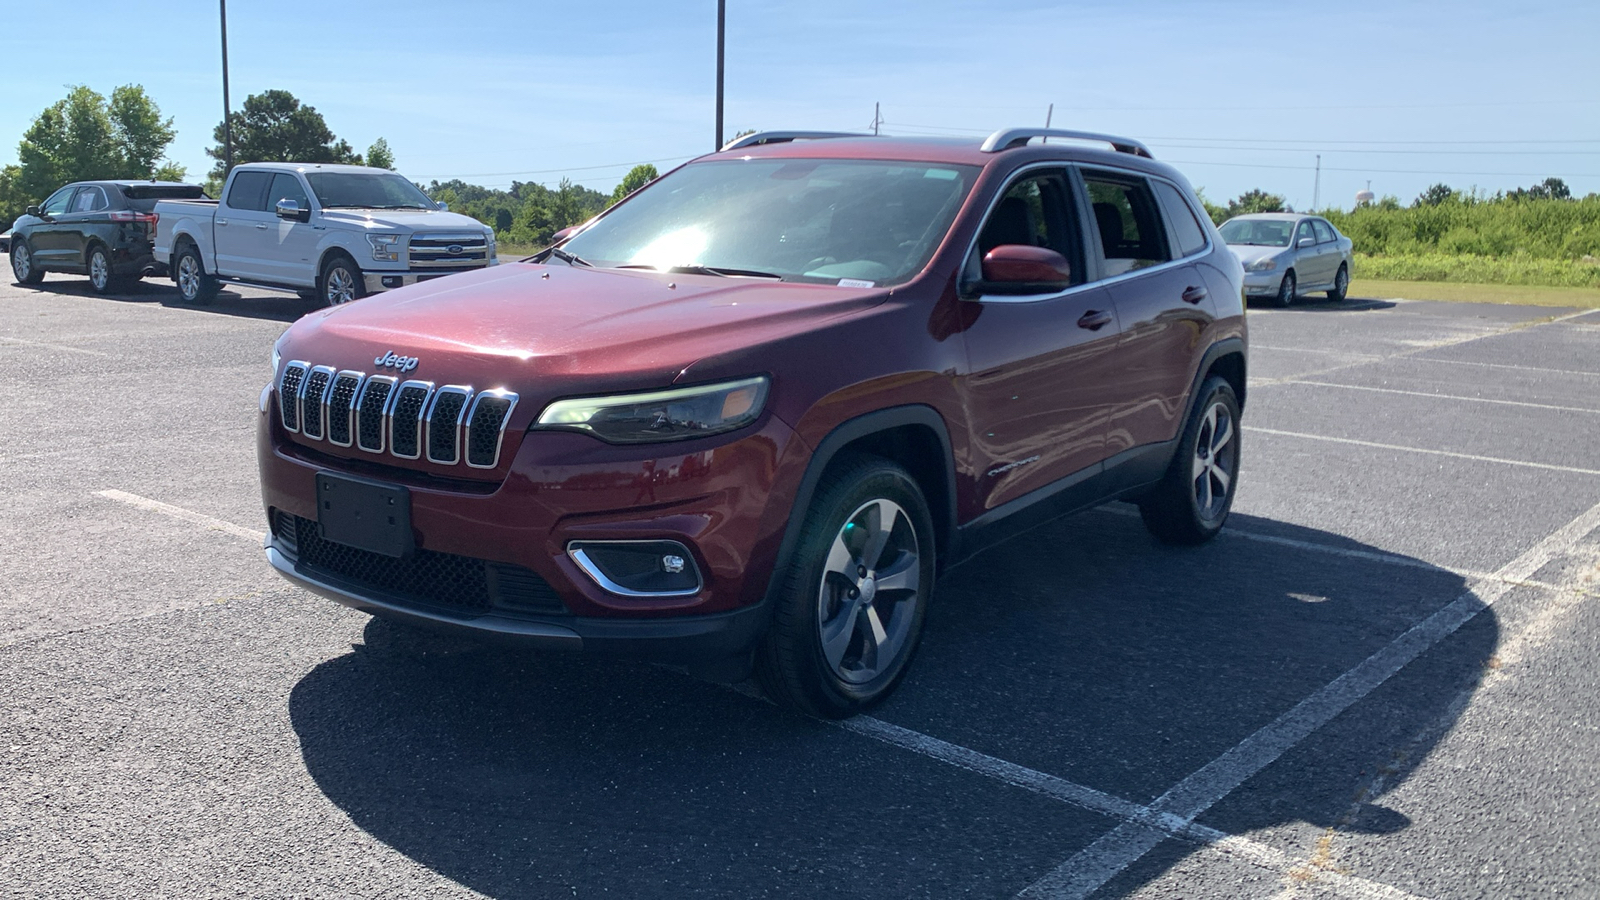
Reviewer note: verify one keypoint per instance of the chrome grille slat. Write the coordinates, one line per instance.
(432, 251)
(342, 396)
(313, 399)
(383, 415)
(371, 407)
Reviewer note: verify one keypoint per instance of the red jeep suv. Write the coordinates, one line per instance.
(749, 415)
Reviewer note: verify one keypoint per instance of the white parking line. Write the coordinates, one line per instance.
(1488, 365)
(178, 512)
(28, 343)
(1379, 390)
(1101, 861)
(1471, 456)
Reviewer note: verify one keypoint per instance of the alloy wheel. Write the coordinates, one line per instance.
(341, 286)
(21, 261)
(99, 271)
(1215, 459)
(867, 601)
(188, 276)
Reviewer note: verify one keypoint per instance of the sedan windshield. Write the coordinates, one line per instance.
(816, 220)
(1259, 232)
(362, 190)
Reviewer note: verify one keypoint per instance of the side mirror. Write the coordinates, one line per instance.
(33, 211)
(563, 234)
(443, 206)
(1020, 269)
(288, 209)
(1305, 242)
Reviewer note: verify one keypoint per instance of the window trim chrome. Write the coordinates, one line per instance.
(499, 441)
(389, 420)
(583, 562)
(427, 431)
(383, 414)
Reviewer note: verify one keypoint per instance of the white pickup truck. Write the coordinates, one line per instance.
(329, 232)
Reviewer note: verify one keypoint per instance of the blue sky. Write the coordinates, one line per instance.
(1236, 94)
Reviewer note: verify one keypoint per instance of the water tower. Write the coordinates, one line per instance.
(1363, 197)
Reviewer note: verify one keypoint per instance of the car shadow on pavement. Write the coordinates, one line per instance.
(276, 307)
(1082, 649)
(1323, 304)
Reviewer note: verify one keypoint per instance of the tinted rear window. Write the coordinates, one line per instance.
(1180, 215)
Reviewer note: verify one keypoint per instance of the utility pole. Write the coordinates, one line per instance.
(1316, 186)
(877, 117)
(227, 127)
(722, 19)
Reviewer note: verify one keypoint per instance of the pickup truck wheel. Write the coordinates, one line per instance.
(853, 596)
(22, 263)
(194, 285)
(341, 282)
(1192, 500)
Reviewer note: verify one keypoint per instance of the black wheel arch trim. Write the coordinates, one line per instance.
(1226, 347)
(847, 433)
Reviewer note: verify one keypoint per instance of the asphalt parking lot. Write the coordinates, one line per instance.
(1379, 683)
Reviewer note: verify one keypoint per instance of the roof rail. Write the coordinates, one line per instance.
(1007, 138)
(783, 137)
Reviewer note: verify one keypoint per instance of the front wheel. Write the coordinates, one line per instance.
(853, 595)
(341, 282)
(22, 264)
(1192, 500)
(1286, 290)
(1341, 284)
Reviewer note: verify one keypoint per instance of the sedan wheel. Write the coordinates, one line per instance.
(1341, 284)
(1286, 290)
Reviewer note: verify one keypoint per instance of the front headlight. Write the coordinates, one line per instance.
(385, 247)
(1266, 264)
(672, 415)
(277, 357)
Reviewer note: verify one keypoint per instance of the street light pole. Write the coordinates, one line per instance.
(227, 128)
(722, 18)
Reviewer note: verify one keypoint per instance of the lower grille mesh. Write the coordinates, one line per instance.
(426, 579)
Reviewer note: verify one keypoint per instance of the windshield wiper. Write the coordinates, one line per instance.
(711, 270)
(571, 259)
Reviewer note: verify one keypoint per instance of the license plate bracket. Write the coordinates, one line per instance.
(364, 514)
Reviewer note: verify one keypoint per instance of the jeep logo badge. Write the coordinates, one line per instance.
(398, 363)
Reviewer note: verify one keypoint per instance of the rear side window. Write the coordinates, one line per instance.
(286, 187)
(89, 199)
(1127, 221)
(1186, 229)
(1323, 229)
(249, 190)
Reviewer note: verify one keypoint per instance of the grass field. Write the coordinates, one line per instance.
(1525, 295)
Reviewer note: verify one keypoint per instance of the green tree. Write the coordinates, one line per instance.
(379, 155)
(12, 200)
(1435, 195)
(170, 171)
(1255, 201)
(83, 137)
(274, 126)
(1549, 189)
(637, 177)
(1218, 214)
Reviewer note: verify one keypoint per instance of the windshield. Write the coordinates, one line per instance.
(362, 190)
(866, 222)
(1259, 232)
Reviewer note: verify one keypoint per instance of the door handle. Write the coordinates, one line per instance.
(1194, 294)
(261, 226)
(1094, 320)
(222, 221)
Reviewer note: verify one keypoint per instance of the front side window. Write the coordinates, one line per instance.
(1128, 223)
(57, 204)
(809, 220)
(1304, 233)
(1186, 229)
(286, 187)
(1324, 231)
(366, 190)
(1032, 212)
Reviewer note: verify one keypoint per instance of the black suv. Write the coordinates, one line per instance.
(97, 228)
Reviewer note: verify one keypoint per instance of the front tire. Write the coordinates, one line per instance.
(1191, 503)
(1341, 284)
(22, 264)
(1286, 290)
(341, 282)
(853, 595)
(194, 285)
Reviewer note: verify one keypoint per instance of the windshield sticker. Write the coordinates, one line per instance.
(941, 174)
(855, 282)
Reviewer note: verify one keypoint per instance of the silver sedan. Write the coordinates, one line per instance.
(1288, 254)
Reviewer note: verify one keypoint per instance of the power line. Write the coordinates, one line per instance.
(1196, 162)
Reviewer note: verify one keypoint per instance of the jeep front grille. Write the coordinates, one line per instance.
(379, 415)
(449, 251)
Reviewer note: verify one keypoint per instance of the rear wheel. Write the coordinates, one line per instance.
(194, 285)
(853, 595)
(100, 277)
(1192, 501)
(1341, 284)
(22, 264)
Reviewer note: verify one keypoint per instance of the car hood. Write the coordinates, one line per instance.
(408, 220)
(545, 331)
(1249, 253)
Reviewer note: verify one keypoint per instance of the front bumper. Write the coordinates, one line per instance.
(684, 640)
(1262, 283)
(386, 281)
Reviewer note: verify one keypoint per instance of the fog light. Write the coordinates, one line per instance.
(638, 568)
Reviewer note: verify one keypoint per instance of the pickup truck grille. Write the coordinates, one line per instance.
(449, 251)
(407, 420)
